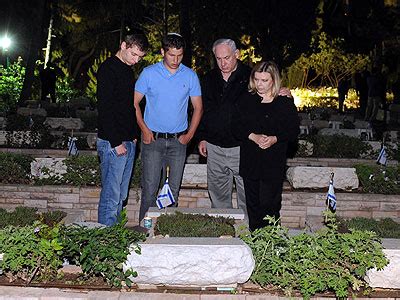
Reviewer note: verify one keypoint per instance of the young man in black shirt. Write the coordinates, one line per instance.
(117, 127)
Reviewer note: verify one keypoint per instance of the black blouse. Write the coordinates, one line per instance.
(278, 118)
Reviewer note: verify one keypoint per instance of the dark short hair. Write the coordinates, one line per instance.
(139, 40)
(173, 40)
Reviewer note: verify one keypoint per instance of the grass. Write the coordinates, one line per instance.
(187, 225)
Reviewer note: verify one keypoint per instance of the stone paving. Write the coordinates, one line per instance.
(27, 293)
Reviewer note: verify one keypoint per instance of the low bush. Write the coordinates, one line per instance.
(36, 252)
(379, 179)
(338, 146)
(325, 261)
(384, 228)
(28, 132)
(188, 225)
(82, 170)
(102, 251)
(24, 216)
(30, 252)
(15, 168)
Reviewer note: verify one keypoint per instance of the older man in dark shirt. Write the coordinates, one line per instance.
(221, 88)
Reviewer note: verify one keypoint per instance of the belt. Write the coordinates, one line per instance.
(166, 135)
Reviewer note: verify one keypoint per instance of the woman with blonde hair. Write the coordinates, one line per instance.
(265, 122)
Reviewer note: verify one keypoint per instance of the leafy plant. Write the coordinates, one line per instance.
(188, 225)
(26, 216)
(327, 64)
(384, 228)
(325, 261)
(338, 146)
(30, 251)
(51, 218)
(82, 170)
(102, 251)
(379, 179)
(28, 132)
(11, 81)
(92, 72)
(15, 168)
(21, 216)
(65, 90)
(393, 151)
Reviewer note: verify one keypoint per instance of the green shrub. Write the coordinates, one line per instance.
(26, 216)
(17, 122)
(394, 151)
(82, 170)
(65, 90)
(325, 261)
(36, 252)
(15, 168)
(338, 146)
(384, 228)
(188, 225)
(21, 216)
(11, 81)
(30, 251)
(32, 132)
(102, 251)
(51, 218)
(379, 179)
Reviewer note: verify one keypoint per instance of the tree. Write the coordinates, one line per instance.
(328, 64)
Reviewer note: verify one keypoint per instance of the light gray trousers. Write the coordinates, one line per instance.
(222, 169)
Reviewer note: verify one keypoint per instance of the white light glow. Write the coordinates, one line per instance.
(5, 43)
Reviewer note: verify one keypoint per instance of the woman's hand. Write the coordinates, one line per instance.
(267, 141)
(263, 141)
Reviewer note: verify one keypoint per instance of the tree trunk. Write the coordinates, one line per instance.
(36, 25)
(165, 17)
(82, 59)
(184, 24)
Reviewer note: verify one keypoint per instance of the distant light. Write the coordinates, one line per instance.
(5, 43)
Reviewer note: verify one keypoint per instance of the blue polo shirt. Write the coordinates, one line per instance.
(167, 96)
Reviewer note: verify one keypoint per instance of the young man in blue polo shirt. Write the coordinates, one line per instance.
(167, 85)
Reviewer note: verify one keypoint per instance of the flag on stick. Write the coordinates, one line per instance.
(165, 197)
(330, 197)
(382, 157)
(72, 148)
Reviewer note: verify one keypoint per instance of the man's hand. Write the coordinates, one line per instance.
(121, 150)
(147, 136)
(284, 91)
(185, 138)
(203, 148)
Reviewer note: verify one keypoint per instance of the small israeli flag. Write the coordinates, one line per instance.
(165, 197)
(72, 148)
(330, 197)
(382, 157)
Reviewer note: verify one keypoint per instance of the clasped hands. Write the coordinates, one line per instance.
(263, 141)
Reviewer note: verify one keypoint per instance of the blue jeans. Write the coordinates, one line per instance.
(155, 157)
(116, 174)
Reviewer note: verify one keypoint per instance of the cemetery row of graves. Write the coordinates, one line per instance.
(38, 177)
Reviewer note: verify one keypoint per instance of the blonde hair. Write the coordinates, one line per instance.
(271, 68)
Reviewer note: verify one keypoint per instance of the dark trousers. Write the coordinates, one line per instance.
(263, 198)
